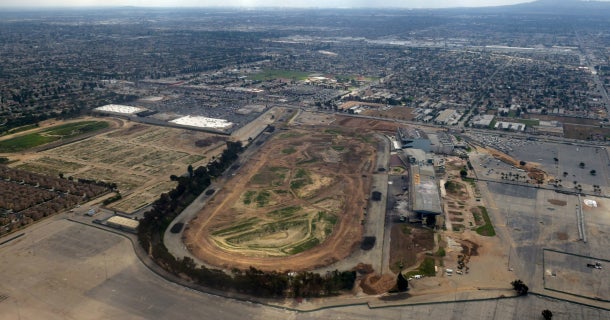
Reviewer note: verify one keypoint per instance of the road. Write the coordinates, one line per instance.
(374, 222)
(173, 241)
(591, 66)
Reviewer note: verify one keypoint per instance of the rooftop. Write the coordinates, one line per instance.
(117, 108)
(203, 122)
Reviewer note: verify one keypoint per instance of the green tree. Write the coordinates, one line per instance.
(463, 173)
(593, 172)
(547, 314)
(401, 283)
(520, 287)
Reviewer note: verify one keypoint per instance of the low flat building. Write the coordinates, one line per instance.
(123, 223)
(447, 117)
(425, 195)
(482, 121)
(512, 126)
(554, 128)
(441, 142)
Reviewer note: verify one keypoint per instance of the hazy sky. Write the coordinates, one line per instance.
(260, 3)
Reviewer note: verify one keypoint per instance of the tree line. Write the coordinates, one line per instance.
(251, 281)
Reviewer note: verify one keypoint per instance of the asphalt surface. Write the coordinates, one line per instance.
(46, 275)
(374, 221)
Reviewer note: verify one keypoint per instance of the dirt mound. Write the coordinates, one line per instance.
(376, 284)
(362, 268)
(533, 172)
(557, 202)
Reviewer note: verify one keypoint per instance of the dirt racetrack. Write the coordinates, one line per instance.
(295, 205)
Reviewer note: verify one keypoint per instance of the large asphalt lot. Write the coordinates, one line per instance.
(530, 220)
(63, 270)
(569, 158)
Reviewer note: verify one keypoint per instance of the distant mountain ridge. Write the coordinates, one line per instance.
(561, 7)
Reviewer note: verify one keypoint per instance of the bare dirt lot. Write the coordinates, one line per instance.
(304, 191)
(407, 246)
(396, 112)
(139, 158)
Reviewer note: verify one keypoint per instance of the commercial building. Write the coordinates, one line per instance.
(413, 138)
(123, 223)
(482, 121)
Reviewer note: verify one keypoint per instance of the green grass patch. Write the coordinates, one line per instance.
(529, 122)
(289, 135)
(453, 187)
(22, 128)
(426, 268)
(333, 131)
(328, 217)
(289, 150)
(492, 124)
(301, 174)
(487, 229)
(307, 161)
(25, 142)
(441, 252)
(70, 130)
(297, 184)
(365, 138)
(308, 244)
(262, 198)
(245, 225)
(65, 131)
(272, 74)
(338, 148)
(284, 212)
(405, 229)
(248, 196)
(273, 176)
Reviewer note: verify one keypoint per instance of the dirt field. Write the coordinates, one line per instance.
(407, 246)
(138, 158)
(376, 125)
(396, 112)
(588, 132)
(304, 191)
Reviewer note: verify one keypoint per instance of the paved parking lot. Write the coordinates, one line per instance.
(46, 276)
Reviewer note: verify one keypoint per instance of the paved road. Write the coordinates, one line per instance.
(600, 86)
(173, 241)
(374, 222)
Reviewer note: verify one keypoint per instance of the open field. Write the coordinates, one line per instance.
(43, 136)
(377, 125)
(139, 158)
(394, 112)
(303, 191)
(407, 246)
(584, 132)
